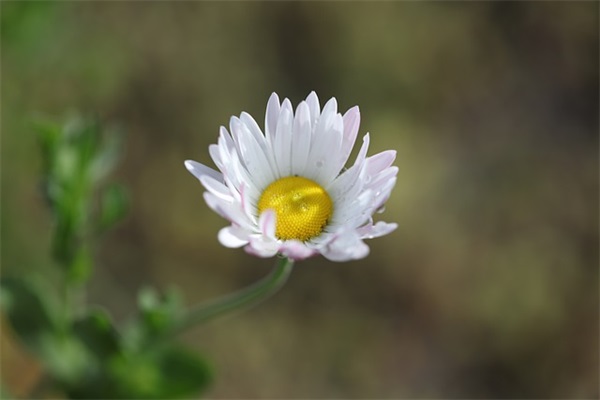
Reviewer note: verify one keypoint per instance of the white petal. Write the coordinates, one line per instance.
(323, 162)
(301, 139)
(346, 186)
(379, 162)
(325, 236)
(223, 160)
(217, 188)
(253, 128)
(282, 147)
(262, 248)
(382, 185)
(234, 237)
(313, 105)
(362, 153)
(381, 178)
(271, 117)
(228, 141)
(371, 231)
(230, 211)
(260, 139)
(346, 246)
(252, 155)
(329, 110)
(351, 125)
(214, 152)
(247, 204)
(358, 212)
(234, 173)
(334, 163)
(199, 170)
(225, 157)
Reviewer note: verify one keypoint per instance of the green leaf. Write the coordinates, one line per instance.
(167, 373)
(158, 313)
(183, 373)
(49, 135)
(26, 312)
(157, 316)
(113, 206)
(135, 376)
(67, 358)
(98, 334)
(81, 265)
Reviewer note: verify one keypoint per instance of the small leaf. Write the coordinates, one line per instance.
(184, 374)
(158, 313)
(26, 312)
(134, 376)
(167, 373)
(148, 299)
(113, 206)
(49, 136)
(65, 167)
(67, 358)
(80, 267)
(97, 333)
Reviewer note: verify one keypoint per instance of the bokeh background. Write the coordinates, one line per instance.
(489, 287)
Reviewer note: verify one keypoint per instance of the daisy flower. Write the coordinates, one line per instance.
(288, 190)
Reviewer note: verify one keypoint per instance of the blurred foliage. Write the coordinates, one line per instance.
(84, 354)
(489, 288)
(77, 160)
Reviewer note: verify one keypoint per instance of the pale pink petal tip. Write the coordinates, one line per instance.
(296, 250)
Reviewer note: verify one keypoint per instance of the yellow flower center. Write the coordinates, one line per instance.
(302, 206)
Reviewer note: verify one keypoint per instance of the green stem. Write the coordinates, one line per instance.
(244, 298)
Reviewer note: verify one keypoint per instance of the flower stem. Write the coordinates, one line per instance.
(244, 298)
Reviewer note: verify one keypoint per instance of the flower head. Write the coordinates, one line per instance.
(287, 191)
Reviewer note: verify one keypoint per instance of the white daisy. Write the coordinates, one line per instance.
(287, 191)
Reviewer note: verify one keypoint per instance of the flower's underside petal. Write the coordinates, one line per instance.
(261, 247)
(296, 250)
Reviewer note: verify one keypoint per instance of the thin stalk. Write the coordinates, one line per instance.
(244, 298)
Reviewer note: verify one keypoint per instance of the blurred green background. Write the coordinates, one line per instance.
(488, 289)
